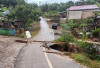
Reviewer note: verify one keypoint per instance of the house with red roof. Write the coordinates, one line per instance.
(78, 12)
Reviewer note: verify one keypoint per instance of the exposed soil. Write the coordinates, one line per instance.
(9, 49)
(11, 46)
(57, 47)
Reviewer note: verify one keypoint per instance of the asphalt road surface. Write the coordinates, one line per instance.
(33, 55)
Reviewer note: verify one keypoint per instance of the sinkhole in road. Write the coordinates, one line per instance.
(58, 47)
(48, 45)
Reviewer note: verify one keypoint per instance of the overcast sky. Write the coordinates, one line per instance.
(48, 1)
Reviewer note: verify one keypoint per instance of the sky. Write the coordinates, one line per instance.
(48, 1)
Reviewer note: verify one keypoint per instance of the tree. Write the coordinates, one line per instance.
(90, 1)
(27, 13)
(78, 3)
(12, 2)
(8, 2)
(54, 7)
(70, 3)
(44, 7)
(85, 2)
(21, 2)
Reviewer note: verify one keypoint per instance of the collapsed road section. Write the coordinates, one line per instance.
(34, 56)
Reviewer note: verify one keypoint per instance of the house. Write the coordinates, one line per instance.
(78, 12)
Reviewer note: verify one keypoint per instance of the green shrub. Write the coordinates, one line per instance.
(51, 14)
(90, 20)
(65, 38)
(96, 33)
(94, 56)
(71, 23)
(92, 53)
(80, 58)
(84, 35)
(83, 45)
(79, 21)
(83, 59)
(89, 50)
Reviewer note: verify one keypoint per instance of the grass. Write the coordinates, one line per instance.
(86, 57)
(33, 34)
(34, 30)
(84, 60)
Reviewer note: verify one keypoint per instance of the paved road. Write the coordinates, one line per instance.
(33, 55)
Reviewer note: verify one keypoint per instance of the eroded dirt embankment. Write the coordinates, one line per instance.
(9, 49)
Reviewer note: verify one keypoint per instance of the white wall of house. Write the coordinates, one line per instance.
(80, 14)
(74, 14)
(86, 14)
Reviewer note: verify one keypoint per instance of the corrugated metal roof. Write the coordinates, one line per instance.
(83, 7)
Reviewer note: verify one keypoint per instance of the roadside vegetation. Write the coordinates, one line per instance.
(21, 16)
(34, 29)
(23, 13)
(80, 51)
(83, 52)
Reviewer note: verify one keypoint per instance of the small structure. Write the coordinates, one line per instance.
(63, 14)
(97, 22)
(84, 11)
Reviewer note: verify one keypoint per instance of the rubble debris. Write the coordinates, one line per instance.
(74, 48)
